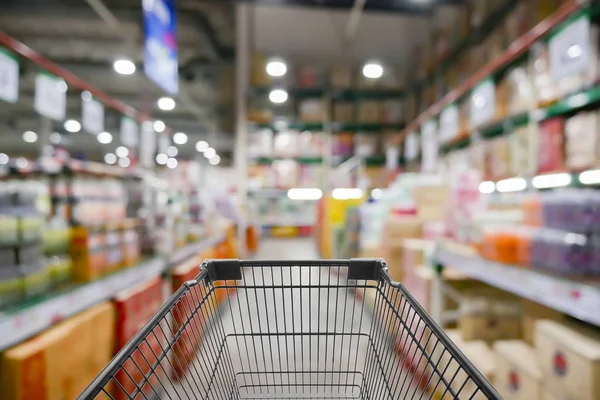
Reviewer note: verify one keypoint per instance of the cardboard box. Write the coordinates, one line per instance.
(533, 312)
(569, 357)
(517, 375)
(396, 229)
(489, 319)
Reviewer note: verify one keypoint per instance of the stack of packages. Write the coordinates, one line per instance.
(62, 361)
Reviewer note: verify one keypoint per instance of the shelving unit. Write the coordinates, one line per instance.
(31, 318)
(578, 298)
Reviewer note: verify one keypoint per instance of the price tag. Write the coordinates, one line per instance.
(9, 76)
(449, 122)
(483, 103)
(570, 49)
(429, 146)
(92, 116)
(411, 147)
(129, 132)
(391, 158)
(50, 96)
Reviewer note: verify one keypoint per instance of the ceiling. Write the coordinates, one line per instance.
(81, 37)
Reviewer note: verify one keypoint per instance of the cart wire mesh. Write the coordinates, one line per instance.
(328, 329)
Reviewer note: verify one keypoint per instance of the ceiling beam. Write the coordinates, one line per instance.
(395, 6)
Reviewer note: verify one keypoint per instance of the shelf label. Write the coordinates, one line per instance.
(92, 115)
(129, 132)
(483, 103)
(50, 96)
(569, 49)
(9, 76)
(391, 158)
(411, 147)
(449, 122)
(429, 146)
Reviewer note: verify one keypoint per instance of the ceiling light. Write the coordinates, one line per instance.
(215, 160)
(172, 151)
(55, 138)
(487, 187)
(122, 151)
(21, 162)
(30, 136)
(124, 162)
(3, 158)
(347, 193)
(377, 194)
(591, 177)
(372, 70)
(110, 158)
(278, 96)
(104, 137)
(209, 153)
(172, 163)
(511, 185)
(304, 194)
(574, 51)
(201, 146)
(166, 103)
(551, 181)
(72, 126)
(161, 159)
(159, 126)
(276, 67)
(180, 138)
(124, 67)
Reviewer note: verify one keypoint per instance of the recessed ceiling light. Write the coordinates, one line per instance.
(215, 160)
(373, 70)
(124, 67)
(21, 162)
(209, 153)
(276, 67)
(30, 136)
(172, 151)
(201, 146)
(124, 162)
(122, 151)
(110, 158)
(72, 126)
(172, 163)
(3, 158)
(180, 138)
(166, 103)
(278, 96)
(161, 159)
(159, 126)
(104, 137)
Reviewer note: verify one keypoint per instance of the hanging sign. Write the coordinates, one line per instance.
(569, 49)
(92, 115)
(160, 44)
(449, 123)
(411, 147)
(429, 146)
(9, 76)
(147, 145)
(483, 103)
(391, 158)
(129, 132)
(50, 96)
(163, 143)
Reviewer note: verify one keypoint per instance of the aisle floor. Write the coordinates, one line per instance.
(295, 332)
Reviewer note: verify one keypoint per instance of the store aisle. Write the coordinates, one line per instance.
(287, 249)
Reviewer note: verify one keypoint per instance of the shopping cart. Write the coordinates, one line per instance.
(330, 329)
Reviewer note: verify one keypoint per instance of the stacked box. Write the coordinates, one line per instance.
(517, 376)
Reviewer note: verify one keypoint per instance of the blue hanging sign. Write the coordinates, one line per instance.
(160, 44)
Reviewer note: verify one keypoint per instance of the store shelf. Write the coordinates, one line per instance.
(570, 296)
(27, 320)
(373, 127)
(298, 126)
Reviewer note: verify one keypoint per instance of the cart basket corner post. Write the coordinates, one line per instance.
(328, 329)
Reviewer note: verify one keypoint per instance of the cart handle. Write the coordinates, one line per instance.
(231, 269)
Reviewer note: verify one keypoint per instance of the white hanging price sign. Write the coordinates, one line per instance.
(50, 96)
(9, 76)
(411, 147)
(92, 116)
(147, 145)
(429, 146)
(449, 123)
(483, 103)
(129, 132)
(570, 49)
(391, 158)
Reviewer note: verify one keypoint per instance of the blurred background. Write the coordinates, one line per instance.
(457, 139)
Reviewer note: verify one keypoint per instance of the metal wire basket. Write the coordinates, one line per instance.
(330, 329)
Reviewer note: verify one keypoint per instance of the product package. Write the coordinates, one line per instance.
(581, 140)
(551, 146)
(517, 375)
